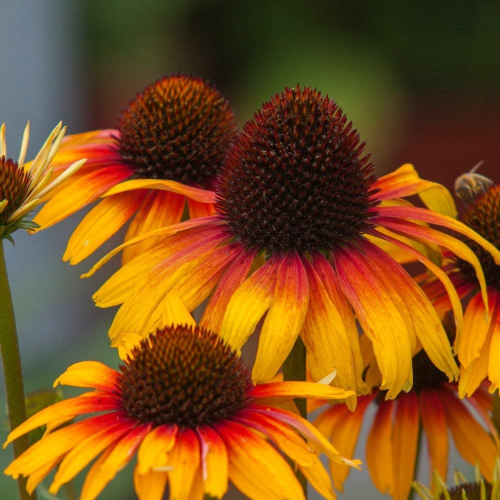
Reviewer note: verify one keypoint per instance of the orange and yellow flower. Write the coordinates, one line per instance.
(479, 345)
(167, 149)
(24, 186)
(392, 445)
(185, 403)
(297, 204)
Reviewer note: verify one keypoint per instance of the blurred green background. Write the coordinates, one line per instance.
(420, 82)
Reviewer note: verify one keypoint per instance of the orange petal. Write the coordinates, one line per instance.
(214, 462)
(89, 402)
(405, 182)
(103, 471)
(232, 278)
(319, 479)
(73, 196)
(434, 423)
(160, 209)
(255, 467)
(197, 194)
(196, 286)
(291, 389)
(249, 303)
(471, 440)
(345, 435)
(197, 209)
(494, 358)
(155, 447)
(476, 326)
(405, 443)
(38, 476)
(284, 319)
(89, 374)
(184, 459)
(102, 222)
(426, 322)
(150, 485)
(85, 451)
(391, 333)
(330, 335)
(379, 458)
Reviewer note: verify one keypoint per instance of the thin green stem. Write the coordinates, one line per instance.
(12, 367)
(294, 368)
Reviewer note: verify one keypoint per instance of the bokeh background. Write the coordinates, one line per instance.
(420, 81)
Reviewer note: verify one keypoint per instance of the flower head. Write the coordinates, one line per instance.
(168, 147)
(185, 403)
(478, 346)
(432, 408)
(297, 204)
(24, 185)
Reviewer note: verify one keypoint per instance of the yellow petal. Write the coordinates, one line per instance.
(214, 462)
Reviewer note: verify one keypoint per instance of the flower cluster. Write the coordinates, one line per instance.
(282, 229)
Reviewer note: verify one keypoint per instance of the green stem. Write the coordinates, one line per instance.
(294, 368)
(12, 367)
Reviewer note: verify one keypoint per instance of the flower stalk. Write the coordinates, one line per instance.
(11, 361)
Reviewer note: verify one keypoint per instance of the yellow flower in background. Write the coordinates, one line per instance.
(167, 149)
(479, 345)
(185, 403)
(297, 201)
(433, 407)
(463, 489)
(23, 186)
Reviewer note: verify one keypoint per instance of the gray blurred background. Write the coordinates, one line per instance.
(421, 84)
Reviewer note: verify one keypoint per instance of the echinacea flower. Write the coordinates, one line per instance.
(432, 408)
(479, 489)
(24, 185)
(479, 344)
(185, 403)
(167, 149)
(296, 202)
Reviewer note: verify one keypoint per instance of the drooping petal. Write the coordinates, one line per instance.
(391, 335)
(471, 440)
(426, 322)
(439, 273)
(103, 471)
(476, 325)
(472, 376)
(197, 194)
(379, 458)
(195, 287)
(232, 278)
(159, 209)
(78, 193)
(405, 181)
(345, 435)
(184, 459)
(284, 319)
(150, 485)
(214, 462)
(330, 334)
(89, 374)
(404, 443)
(155, 447)
(102, 222)
(433, 419)
(249, 303)
(86, 450)
(38, 476)
(494, 357)
(255, 467)
(89, 402)
(318, 478)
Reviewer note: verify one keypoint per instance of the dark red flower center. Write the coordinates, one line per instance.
(185, 376)
(483, 216)
(178, 129)
(14, 185)
(295, 179)
(472, 492)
